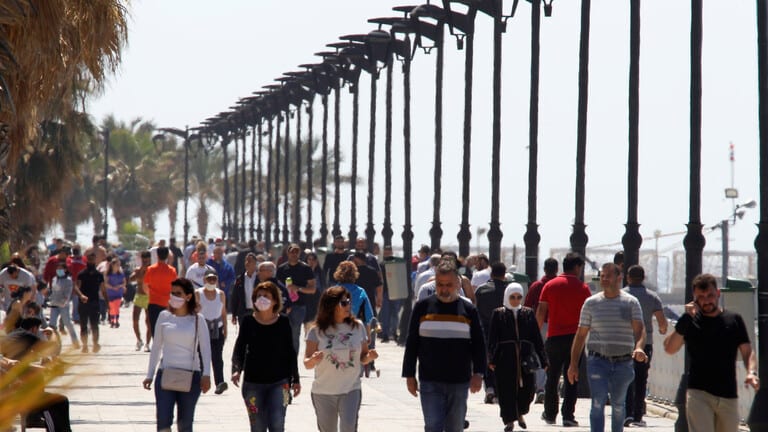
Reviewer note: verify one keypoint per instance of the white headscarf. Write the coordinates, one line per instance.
(512, 288)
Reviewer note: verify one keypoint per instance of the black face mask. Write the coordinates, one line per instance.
(91, 265)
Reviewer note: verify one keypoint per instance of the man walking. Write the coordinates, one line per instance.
(532, 301)
(488, 297)
(333, 259)
(89, 284)
(299, 279)
(141, 300)
(614, 322)
(712, 337)
(561, 299)
(240, 302)
(446, 339)
(157, 282)
(651, 306)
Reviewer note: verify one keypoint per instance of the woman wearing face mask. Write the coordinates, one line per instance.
(513, 337)
(213, 307)
(264, 353)
(179, 333)
(61, 288)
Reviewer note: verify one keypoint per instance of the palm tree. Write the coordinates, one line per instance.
(53, 54)
(206, 183)
(44, 48)
(139, 177)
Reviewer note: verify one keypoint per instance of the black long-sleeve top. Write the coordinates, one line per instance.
(446, 339)
(502, 337)
(265, 351)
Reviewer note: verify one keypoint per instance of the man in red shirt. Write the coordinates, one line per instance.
(157, 283)
(562, 298)
(49, 271)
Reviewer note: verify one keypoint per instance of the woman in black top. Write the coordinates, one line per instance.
(513, 341)
(264, 351)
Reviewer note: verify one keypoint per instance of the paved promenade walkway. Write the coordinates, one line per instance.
(106, 395)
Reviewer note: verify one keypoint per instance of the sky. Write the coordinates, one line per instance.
(188, 60)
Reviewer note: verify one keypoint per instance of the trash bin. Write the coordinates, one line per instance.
(738, 296)
(396, 272)
(321, 252)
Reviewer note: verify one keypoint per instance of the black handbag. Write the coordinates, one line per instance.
(529, 362)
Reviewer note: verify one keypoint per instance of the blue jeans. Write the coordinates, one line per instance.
(75, 312)
(266, 405)
(444, 405)
(63, 312)
(296, 317)
(390, 310)
(607, 377)
(184, 401)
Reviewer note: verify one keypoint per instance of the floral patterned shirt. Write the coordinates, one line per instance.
(339, 371)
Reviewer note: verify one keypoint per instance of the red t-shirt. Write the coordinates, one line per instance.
(564, 296)
(157, 283)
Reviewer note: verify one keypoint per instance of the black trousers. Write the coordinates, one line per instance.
(153, 311)
(559, 354)
(514, 400)
(89, 317)
(637, 390)
(53, 415)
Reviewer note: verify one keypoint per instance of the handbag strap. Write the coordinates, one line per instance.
(194, 346)
(515, 316)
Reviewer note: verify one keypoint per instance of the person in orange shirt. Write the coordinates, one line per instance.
(157, 283)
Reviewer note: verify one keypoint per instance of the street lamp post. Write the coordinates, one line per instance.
(105, 226)
(187, 138)
(723, 225)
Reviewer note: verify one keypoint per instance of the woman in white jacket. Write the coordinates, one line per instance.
(179, 332)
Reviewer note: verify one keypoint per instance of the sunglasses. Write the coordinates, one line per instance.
(516, 297)
(345, 302)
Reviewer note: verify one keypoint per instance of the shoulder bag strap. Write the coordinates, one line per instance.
(517, 349)
(194, 346)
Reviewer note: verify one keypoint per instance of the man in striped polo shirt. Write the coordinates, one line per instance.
(614, 321)
(446, 339)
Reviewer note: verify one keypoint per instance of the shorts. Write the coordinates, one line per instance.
(141, 301)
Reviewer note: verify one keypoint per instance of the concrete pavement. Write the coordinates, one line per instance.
(106, 395)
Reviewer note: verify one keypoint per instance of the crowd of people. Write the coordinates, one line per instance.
(467, 326)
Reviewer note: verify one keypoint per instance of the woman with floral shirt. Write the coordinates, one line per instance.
(336, 348)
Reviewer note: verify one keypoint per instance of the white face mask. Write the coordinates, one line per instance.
(210, 287)
(176, 302)
(516, 308)
(263, 304)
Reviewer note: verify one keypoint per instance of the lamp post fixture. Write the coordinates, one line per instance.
(758, 416)
(737, 214)
(187, 142)
(334, 62)
(466, 40)
(433, 32)
(579, 236)
(105, 226)
(320, 80)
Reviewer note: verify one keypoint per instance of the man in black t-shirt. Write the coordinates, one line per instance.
(90, 282)
(333, 259)
(712, 338)
(302, 282)
(369, 280)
